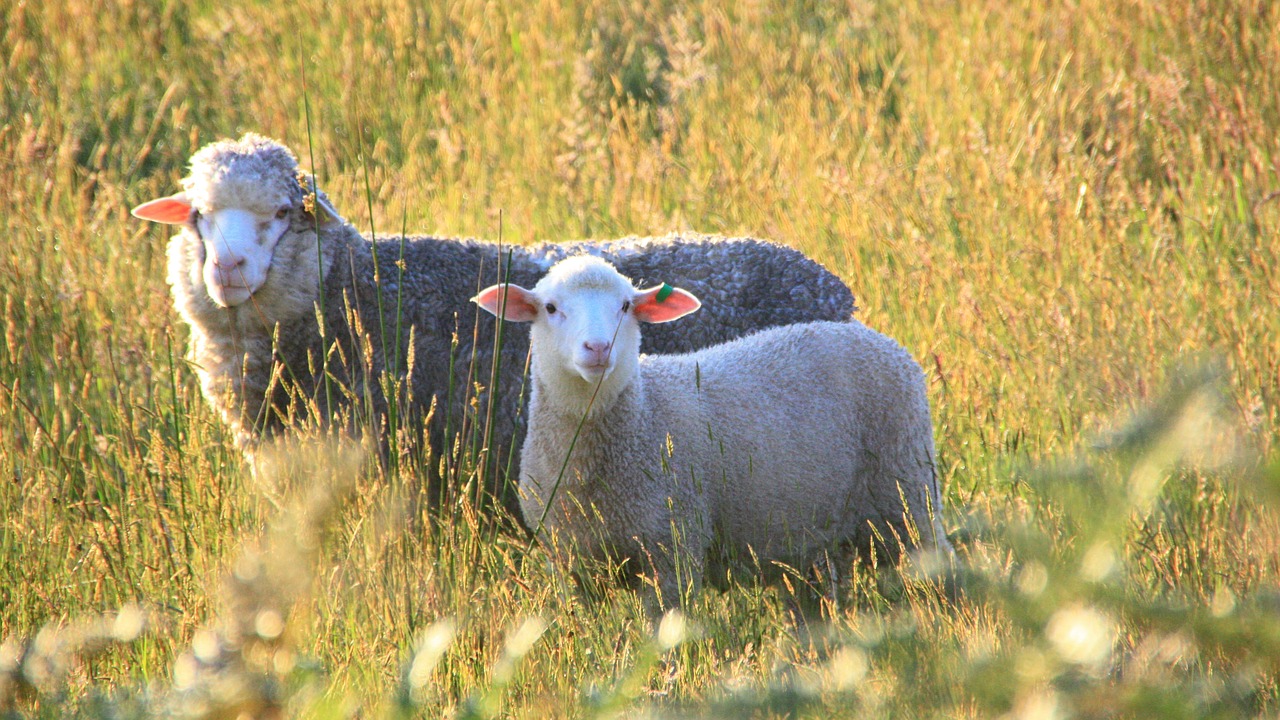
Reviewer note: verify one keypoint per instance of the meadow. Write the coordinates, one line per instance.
(1067, 212)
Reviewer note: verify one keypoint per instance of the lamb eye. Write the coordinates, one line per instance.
(626, 305)
(551, 308)
(282, 212)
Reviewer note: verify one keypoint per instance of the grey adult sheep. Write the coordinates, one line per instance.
(296, 317)
(785, 446)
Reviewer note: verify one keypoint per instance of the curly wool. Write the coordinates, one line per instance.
(255, 173)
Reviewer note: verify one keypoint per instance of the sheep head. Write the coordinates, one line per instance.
(586, 319)
(241, 197)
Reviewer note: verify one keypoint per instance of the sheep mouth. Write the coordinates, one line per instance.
(594, 370)
(230, 295)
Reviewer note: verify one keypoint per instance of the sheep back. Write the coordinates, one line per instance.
(745, 285)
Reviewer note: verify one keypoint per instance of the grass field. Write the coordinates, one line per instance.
(1068, 212)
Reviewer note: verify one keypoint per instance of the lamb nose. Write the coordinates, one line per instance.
(598, 351)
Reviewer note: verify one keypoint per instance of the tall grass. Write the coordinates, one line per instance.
(1052, 206)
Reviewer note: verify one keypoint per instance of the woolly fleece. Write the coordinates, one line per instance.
(780, 446)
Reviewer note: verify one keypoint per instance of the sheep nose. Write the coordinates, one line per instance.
(229, 268)
(598, 349)
(229, 263)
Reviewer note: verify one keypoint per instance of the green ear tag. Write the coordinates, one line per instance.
(665, 292)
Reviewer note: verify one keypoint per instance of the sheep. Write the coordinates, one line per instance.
(296, 317)
(782, 446)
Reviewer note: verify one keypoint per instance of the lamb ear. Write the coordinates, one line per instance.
(509, 302)
(664, 303)
(172, 210)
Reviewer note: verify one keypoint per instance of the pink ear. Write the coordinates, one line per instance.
(509, 302)
(664, 303)
(172, 210)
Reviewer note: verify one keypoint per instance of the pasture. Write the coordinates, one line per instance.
(1067, 212)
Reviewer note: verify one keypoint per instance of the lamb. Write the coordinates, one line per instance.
(780, 446)
(297, 318)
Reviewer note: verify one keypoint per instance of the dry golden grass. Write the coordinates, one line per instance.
(1054, 206)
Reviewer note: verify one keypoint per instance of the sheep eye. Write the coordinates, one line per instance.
(282, 212)
(626, 305)
(551, 309)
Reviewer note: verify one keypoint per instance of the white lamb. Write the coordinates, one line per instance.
(774, 448)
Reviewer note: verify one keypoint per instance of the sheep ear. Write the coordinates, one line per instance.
(664, 303)
(328, 214)
(172, 210)
(315, 202)
(509, 302)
